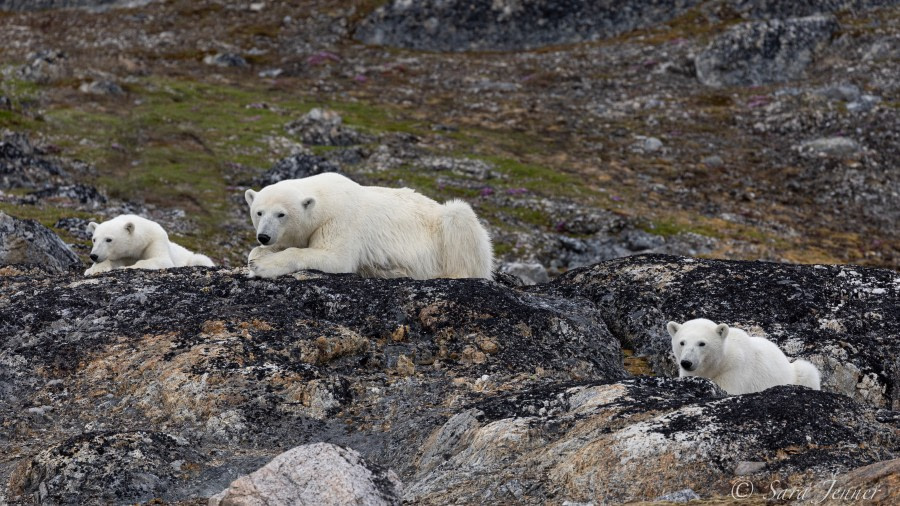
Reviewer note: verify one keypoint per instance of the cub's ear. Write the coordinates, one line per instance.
(722, 330)
(309, 203)
(249, 195)
(673, 328)
(92, 226)
(129, 227)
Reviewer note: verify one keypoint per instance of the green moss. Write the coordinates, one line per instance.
(48, 215)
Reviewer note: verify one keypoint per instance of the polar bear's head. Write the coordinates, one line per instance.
(697, 345)
(282, 216)
(115, 239)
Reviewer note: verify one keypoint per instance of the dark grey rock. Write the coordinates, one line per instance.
(460, 25)
(27, 242)
(323, 127)
(295, 166)
(529, 273)
(763, 52)
(23, 165)
(39, 5)
(45, 66)
(101, 87)
(88, 196)
(780, 9)
(225, 60)
(114, 467)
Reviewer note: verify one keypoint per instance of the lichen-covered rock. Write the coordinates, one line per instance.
(320, 473)
(639, 439)
(109, 467)
(877, 484)
(458, 25)
(24, 242)
(837, 317)
(763, 52)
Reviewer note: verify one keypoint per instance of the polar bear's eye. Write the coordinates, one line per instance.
(259, 213)
(682, 343)
(281, 215)
(701, 344)
(108, 239)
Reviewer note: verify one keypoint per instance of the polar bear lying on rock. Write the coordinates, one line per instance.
(129, 241)
(329, 223)
(734, 360)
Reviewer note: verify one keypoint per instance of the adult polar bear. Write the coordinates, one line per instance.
(737, 362)
(329, 223)
(129, 241)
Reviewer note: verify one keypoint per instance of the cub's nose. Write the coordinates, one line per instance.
(687, 365)
(263, 238)
(94, 257)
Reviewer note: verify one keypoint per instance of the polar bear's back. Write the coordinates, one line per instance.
(755, 364)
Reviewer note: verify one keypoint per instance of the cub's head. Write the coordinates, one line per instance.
(281, 217)
(113, 239)
(697, 345)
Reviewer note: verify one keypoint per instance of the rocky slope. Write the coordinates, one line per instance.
(137, 385)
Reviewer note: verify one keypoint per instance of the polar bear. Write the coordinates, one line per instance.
(734, 360)
(129, 241)
(329, 223)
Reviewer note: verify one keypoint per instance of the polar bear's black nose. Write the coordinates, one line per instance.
(263, 238)
(687, 365)
(94, 257)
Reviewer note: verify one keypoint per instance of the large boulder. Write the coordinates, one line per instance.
(462, 25)
(763, 52)
(321, 473)
(838, 317)
(27, 242)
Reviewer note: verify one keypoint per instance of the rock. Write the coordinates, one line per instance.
(833, 316)
(529, 273)
(296, 166)
(466, 167)
(776, 9)
(747, 467)
(225, 60)
(683, 495)
(647, 144)
(846, 92)
(763, 52)
(457, 25)
(713, 161)
(27, 242)
(109, 467)
(323, 127)
(86, 195)
(570, 443)
(45, 66)
(38, 5)
(320, 473)
(877, 484)
(832, 146)
(102, 87)
(23, 165)
(74, 226)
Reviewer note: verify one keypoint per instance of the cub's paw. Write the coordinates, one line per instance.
(269, 266)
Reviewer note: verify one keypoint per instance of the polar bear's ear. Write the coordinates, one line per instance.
(673, 328)
(129, 227)
(92, 226)
(249, 195)
(309, 203)
(722, 330)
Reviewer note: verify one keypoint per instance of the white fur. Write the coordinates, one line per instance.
(330, 223)
(131, 242)
(734, 360)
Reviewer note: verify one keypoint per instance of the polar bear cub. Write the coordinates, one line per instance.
(329, 223)
(129, 241)
(734, 360)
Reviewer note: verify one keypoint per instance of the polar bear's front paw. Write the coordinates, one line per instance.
(97, 269)
(270, 266)
(259, 252)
